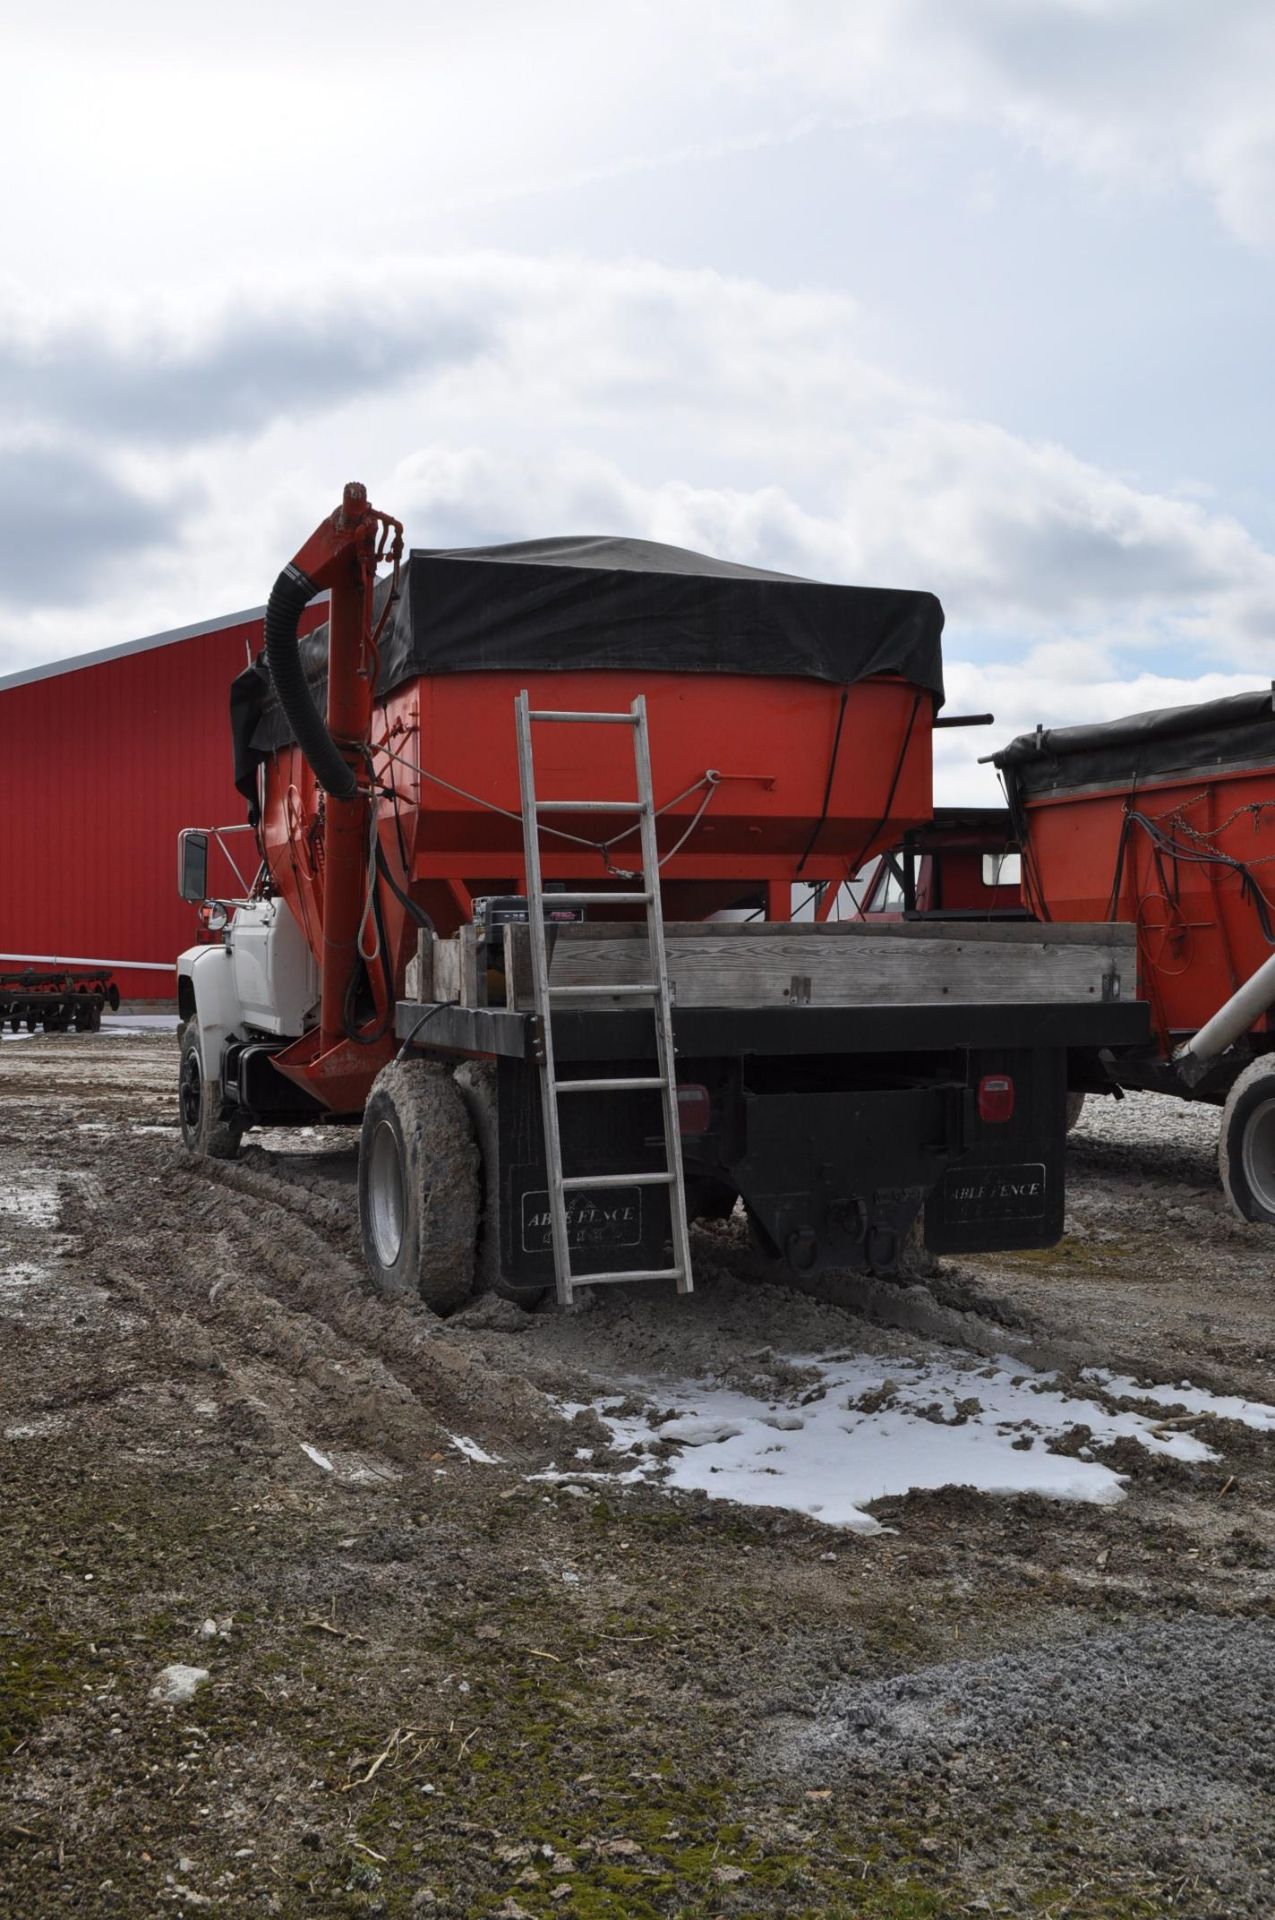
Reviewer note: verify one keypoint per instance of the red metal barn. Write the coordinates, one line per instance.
(102, 759)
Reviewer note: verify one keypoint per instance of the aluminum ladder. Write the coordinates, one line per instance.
(654, 991)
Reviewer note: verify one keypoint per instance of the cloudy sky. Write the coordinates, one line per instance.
(973, 295)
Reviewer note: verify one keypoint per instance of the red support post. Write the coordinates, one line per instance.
(347, 822)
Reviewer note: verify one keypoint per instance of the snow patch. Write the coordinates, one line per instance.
(22, 1274)
(857, 1430)
(1185, 1398)
(126, 1024)
(472, 1451)
(37, 1428)
(320, 1459)
(33, 1201)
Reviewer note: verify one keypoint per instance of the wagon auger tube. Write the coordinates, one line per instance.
(1234, 1017)
(341, 555)
(289, 597)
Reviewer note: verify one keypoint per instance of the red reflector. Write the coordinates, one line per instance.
(694, 1110)
(995, 1098)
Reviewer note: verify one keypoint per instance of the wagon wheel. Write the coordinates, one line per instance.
(1246, 1144)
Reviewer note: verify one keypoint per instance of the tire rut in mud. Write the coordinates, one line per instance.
(277, 1268)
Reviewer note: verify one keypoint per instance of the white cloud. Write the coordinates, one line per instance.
(224, 222)
(1048, 690)
(492, 397)
(1143, 94)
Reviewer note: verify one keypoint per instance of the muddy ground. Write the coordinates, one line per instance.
(438, 1685)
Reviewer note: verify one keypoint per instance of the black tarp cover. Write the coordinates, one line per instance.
(595, 602)
(1198, 740)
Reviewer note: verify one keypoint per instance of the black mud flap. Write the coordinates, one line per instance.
(609, 1229)
(1009, 1189)
(603, 1220)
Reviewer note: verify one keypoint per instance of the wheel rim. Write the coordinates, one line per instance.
(191, 1093)
(1258, 1154)
(385, 1194)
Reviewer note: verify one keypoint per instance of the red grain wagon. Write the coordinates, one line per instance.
(1166, 821)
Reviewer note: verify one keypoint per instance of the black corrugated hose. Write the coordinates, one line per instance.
(291, 594)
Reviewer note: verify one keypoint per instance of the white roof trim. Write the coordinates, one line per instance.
(78, 960)
(101, 655)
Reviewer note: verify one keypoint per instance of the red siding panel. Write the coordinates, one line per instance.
(100, 766)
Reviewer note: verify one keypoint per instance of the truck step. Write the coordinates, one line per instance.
(619, 989)
(598, 899)
(585, 719)
(576, 1183)
(635, 1083)
(631, 1273)
(590, 806)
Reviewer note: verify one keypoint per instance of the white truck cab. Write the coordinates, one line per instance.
(257, 982)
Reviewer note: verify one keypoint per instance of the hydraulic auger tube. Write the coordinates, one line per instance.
(289, 597)
(1234, 1017)
(340, 555)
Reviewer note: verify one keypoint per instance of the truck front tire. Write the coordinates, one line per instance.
(418, 1187)
(199, 1105)
(1246, 1145)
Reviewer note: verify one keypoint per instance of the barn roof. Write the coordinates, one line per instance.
(99, 656)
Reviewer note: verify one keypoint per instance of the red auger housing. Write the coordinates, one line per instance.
(341, 555)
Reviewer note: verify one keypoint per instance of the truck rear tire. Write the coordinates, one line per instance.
(199, 1106)
(418, 1187)
(1246, 1145)
(476, 1083)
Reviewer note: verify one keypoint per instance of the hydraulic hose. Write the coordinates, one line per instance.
(289, 597)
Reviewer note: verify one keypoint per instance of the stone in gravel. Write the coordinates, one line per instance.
(177, 1685)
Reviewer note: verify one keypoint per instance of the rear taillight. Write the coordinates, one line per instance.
(694, 1109)
(995, 1099)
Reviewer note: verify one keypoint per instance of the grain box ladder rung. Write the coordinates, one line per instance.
(654, 990)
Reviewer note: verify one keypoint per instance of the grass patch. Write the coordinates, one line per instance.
(40, 1674)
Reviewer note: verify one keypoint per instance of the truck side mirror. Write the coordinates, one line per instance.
(192, 865)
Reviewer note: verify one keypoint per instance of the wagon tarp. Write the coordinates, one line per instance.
(598, 603)
(1236, 732)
